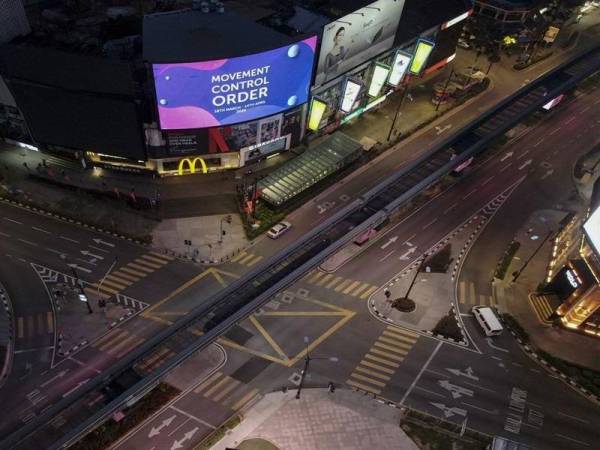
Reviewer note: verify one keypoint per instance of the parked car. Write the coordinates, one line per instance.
(279, 229)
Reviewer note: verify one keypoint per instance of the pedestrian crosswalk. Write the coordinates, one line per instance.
(541, 306)
(35, 325)
(118, 280)
(246, 259)
(118, 343)
(226, 391)
(341, 285)
(467, 295)
(382, 360)
(156, 359)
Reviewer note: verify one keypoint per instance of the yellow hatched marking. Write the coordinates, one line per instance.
(324, 280)
(220, 383)
(302, 314)
(342, 285)
(230, 387)
(50, 322)
(132, 272)
(315, 276)
(106, 341)
(372, 373)
(398, 350)
(121, 278)
(208, 382)
(254, 261)
(462, 292)
(363, 387)
(368, 292)
(360, 289)
(131, 347)
(139, 267)
(154, 260)
(20, 328)
(386, 354)
(382, 361)
(333, 282)
(401, 341)
(245, 399)
(123, 343)
(238, 256)
(376, 366)
(149, 264)
(160, 255)
(267, 337)
(351, 287)
(358, 376)
(246, 258)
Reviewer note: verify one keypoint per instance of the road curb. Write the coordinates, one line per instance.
(7, 363)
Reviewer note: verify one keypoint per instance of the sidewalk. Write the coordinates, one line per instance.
(320, 420)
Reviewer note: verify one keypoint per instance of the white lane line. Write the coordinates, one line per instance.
(450, 208)
(92, 263)
(570, 120)
(387, 256)
(522, 154)
(538, 142)
(506, 167)
(4, 234)
(418, 377)
(470, 193)
(40, 230)
(13, 221)
(99, 249)
(556, 130)
(574, 418)
(494, 412)
(596, 102)
(488, 180)
(430, 223)
(54, 251)
(25, 241)
(571, 439)
(584, 109)
(69, 239)
(479, 387)
(429, 392)
(408, 240)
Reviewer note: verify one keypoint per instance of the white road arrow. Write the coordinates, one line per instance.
(60, 374)
(75, 266)
(439, 130)
(155, 431)
(100, 241)
(186, 437)
(409, 252)
(468, 373)
(547, 174)
(87, 253)
(455, 390)
(506, 156)
(525, 164)
(389, 242)
(449, 412)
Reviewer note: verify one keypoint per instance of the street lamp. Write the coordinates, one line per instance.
(307, 360)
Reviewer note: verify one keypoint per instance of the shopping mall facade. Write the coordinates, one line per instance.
(214, 91)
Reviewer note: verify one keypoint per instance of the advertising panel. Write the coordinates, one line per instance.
(592, 230)
(357, 37)
(399, 67)
(228, 91)
(258, 151)
(317, 109)
(380, 74)
(351, 91)
(422, 53)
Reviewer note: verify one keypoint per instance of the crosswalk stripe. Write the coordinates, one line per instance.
(401, 331)
(238, 257)
(145, 263)
(132, 272)
(114, 284)
(372, 373)
(31, 327)
(255, 260)
(154, 260)
(462, 292)
(41, 324)
(399, 337)
(324, 280)
(342, 285)
(208, 382)
(363, 387)
(358, 376)
(351, 287)
(472, 295)
(394, 349)
(20, 328)
(50, 322)
(395, 343)
(358, 290)
(482, 299)
(492, 301)
(382, 361)
(333, 282)
(106, 337)
(90, 290)
(122, 278)
(156, 357)
(386, 354)
(245, 399)
(119, 345)
(315, 276)
(139, 267)
(129, 348)
(368, 292)
(106, 341)
(220, 383)
(104, 288)
(160, 255)
(376, 366)
(230, 387)
(246, 258)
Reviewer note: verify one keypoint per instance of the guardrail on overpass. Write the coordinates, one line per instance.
(238, 300)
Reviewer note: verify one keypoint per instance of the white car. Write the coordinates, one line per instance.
(279, 229)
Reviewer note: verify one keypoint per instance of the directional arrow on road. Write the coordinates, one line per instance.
(60, 374)
(547, 174)
(75, 266)
(409, 252)
(507, 155)
(468, 373)
(455, 390)
(186, 437)
(525, 164)
(389, 242)
(100, 241)
(439, 130)
(155, 431)
(449, 412)
(87, 253)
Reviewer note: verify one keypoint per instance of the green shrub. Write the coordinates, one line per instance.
(507, 258)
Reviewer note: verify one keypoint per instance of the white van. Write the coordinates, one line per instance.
(487, 319)
(279, 229)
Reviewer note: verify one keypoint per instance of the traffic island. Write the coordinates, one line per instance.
(404, 305)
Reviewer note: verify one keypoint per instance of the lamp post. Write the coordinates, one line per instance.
(443, 96)
(106, 274)
(307, 360)
(404, 92)
(517, 273)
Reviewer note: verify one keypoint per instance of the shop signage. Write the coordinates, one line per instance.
(572, 279)
(380, 74)
(190, 164)
(399, 67)
(419, 61)
(351, 91)
(255, 152)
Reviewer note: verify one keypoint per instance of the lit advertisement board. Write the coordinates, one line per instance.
(317, 109)
(357, 37)
(552, 103)
(592, 230)
(228, 91)
(399, 67)
(351, 91)
(422, 53)
(380, 74)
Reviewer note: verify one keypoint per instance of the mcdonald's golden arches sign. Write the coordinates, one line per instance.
(191, 165)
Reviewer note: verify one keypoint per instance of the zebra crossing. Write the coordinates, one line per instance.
(226, 391)
(382, 360)
(156, 359)
(118, 343)
(34, 325)
(246, 259)
(468, 296)
(341, 285)
(542, 308)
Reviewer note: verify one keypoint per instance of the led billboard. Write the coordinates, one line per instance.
(422, 53)
(399, 67)
(351, 91)
(228, 91)
(357, 37)
(380, 74)
(592, 230)
(317, 109)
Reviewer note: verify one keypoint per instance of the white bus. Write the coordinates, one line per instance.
(487, 319)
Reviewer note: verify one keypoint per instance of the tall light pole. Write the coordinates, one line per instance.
(307, 360)
(404, 92)
(106, 274)
(517, 273)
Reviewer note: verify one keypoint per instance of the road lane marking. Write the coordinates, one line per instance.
(351, 287)
(139, 267)
(469, 194)
(13, 221)
(398, 350)
(538, 142)
(430, 223)
(324, 280)
(506, 167)
(573, 417)
(450, 208)
(99, 249)
(571, 439)
(25, 241)
(584, 109)
(363, 387)
(69, 239)
(429, 392)
(408, 240)
(493, 412)
(358, 376)
(342, 285)
(418, 377)
(376, 366)
(4, 234)
(522, 154)
(556, 130)
(388, 355)
(40, 230)
(373, 373)
(570, 120)
(387, 256)
(382, 361)
(367, 292)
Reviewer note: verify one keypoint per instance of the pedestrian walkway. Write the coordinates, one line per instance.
(155, 360)
(226, 391)
(34, 325)
(341, 285)
(382, 360)
(118, 343)
(246, 259)
(468, 296)
(544, 306)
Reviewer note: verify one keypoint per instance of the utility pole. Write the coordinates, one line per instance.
(437, 107)
(404, 92)
(106, 274)
(412, 283)
(517, 273)
(307, 360)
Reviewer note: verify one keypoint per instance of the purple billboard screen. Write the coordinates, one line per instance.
(228, 91)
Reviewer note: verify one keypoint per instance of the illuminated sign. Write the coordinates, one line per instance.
(380, 74)
(351, 91)
(456, 20)
(191, 165)
(205, 94)
(422, 53)
(552, 103)
(592, 229)
(317, 109)
(551, 34)
(399, 67)
(572, 279)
